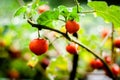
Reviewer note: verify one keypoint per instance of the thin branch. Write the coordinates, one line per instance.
(77, 42)
(77, 3)
(112, 46)
(46, 27)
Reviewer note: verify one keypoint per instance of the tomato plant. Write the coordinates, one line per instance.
(48, 20)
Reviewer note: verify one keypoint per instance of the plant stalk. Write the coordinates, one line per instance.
(112, 45)
(74, 68)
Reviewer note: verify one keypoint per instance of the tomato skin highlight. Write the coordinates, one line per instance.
(72, 48)
(38, 46)
(72, 26)
(117, 42)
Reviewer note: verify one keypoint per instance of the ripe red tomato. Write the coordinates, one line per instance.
(96, 64)
(72, 48)
(38, 46)
(43, 8)
(104, 33)
(99, 64)
(117, 42)
(115, 69)
(108, 59)
(93, 63)
(72, 26)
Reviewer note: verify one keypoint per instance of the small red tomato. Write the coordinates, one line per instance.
(45, 62)
(104, 33)
(117, 42)
(72, 48)
(43, 8)
(93, 63)
(72, 26)
(99, 64)
(108, 59)
(38, 46)
(115, 69)
(96, 64)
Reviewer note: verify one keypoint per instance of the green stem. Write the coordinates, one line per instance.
(77, 3)
(77, 42)
(112, 45)
(38, 34)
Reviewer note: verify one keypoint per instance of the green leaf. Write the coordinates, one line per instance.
(47, 18)
(109, 13)
(98, 5)
(20, 10)
(73, 16)
(63, 10)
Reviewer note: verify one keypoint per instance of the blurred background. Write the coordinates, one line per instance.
(16, 60)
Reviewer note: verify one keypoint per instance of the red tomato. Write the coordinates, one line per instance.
(72, 26)
(96, 64)
(117, 42)
(115, 69)
(72, 48)
(43, 8)
(108, 59)
(93, 63)
(38, 46)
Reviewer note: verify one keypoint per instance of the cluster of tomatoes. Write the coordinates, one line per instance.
(40, 46)
(97, 64)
